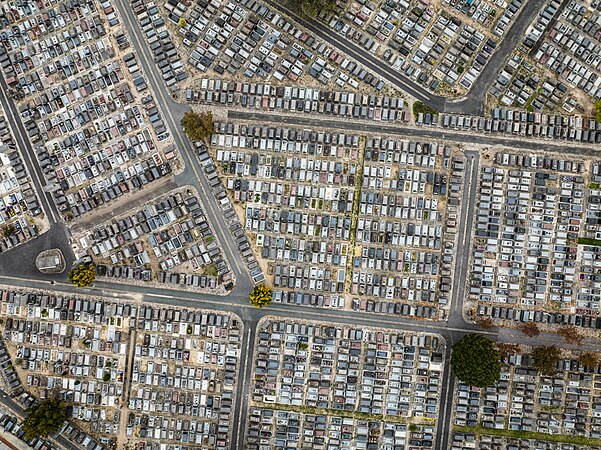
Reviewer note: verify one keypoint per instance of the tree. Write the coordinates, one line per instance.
(419, 107)
(313, 8)
(8, 230)
(475, 361)
(531, 329)
(261, 296)
(598, 110)
(544, 359)
(44, 418)
(83, 275)
(198, 126)
(589, 359)
(571, 335)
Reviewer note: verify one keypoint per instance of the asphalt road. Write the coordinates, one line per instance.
(28, 154)
(472, 103)
(8, 402)
(193, 174)
(399, 129)
(238, 304)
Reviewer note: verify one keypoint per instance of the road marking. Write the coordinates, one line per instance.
(183, 146)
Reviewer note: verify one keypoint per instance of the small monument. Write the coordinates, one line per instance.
(51, 262)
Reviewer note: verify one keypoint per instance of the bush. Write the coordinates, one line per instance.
(261, 296)
(571, 335)
(419, 107)
(589, 359)
(106, 377)
(8, 230)
(83, 275)
(475, 361)
(312, 8)
(530, 329)
(44, 418)
(598, 110)
(544, 359)
(198, 126)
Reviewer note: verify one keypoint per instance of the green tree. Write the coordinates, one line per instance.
(8, 230)
(198, 126)
(44, 418)
(261, 296)
(419, 107)
(83, 275)
(544, 359)
(598, 110)
(313, 8)
(475, 361)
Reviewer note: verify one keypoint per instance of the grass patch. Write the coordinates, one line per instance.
(593, 185)
(345, 413)
(589, 241)
(419, 107)
(519, 434)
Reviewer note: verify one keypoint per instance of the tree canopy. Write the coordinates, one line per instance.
(589, 359)
(83, 275)
(598, 110)
(261, 296)
(544, 359)
(44, 418)
(312, 8)
(198, 126)
(475, 361)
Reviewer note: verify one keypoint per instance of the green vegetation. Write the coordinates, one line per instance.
(198, 126)
(544, 359)
(598, 110)
(475, 361)
(44, 418)
(593, 185)
(313, 8)
(303, 346)
(210, 270)
(518, 434)
(261, 296)
(589, 241)
(8, 230)
(106, 377)
(419, 107)
(83, 275)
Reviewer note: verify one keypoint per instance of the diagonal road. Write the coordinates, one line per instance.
(473, 103)
(192, 174)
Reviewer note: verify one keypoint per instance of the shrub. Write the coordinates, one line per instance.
(544, 359)
(261, 296)
(83, 275)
